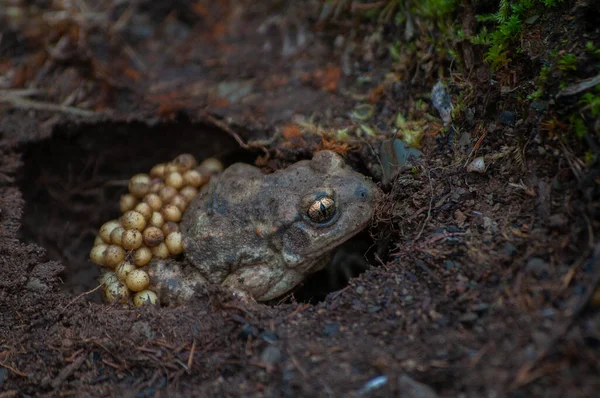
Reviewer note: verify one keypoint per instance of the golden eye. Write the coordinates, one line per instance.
(322, 209)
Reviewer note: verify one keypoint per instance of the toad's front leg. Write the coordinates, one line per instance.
(263, 282)
(173, 283)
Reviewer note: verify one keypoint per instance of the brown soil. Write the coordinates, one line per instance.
(478, 284)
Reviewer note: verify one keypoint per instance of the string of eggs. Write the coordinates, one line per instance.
(149, 226)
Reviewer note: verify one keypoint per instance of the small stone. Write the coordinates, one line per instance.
(36, 285)
(269, 336)
(507, 118)
(270, 355)
(509, 249)
(539, 106)
(441, 101)
(410, 388)
(469, 317)
(537, 267)
(331, 329)
(477, 165)
(558, 221)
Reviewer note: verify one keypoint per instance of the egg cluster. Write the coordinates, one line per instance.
(148, 227)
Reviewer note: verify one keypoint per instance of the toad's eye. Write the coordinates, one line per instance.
(322, 209)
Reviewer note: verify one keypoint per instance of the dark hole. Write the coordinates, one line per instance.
(72, 182)
(349, 261)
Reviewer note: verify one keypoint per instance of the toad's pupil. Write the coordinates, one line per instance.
(322, 209)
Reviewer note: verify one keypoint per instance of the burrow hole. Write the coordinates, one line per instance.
(73, 180)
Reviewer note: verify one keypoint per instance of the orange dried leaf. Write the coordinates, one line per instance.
(339, 147)
(133, 74)
(328, 78)
(291, 131)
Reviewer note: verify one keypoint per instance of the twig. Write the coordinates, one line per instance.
(235, 135)
(428, 211)
(580, 87)
(15, 371)
(299, 367)
(18, 101)
(191, 357)
(81, 295)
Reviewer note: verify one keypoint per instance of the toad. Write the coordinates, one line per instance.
(261, 235)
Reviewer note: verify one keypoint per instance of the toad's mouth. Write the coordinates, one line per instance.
(316, 255)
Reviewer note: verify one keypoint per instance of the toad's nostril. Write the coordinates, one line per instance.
(361, 193)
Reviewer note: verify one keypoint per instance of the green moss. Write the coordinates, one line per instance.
(590, 157)
(537, 94)
(507, 24)
(567, 62)
(591, 103)
(578, 125)
(591, 48)
(433, 8)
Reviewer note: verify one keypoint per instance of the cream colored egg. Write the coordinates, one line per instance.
(160, 251)
(180, 202)
(194, 178)
(116, 236)
(156, 185)
(142, 256)
(184, 162)
(157, 220)
(167, 193)
(171, 168)
(174, 180)
(113, 255)
(127, 202)
(107, 228)
(107, 278)
(97, 254)
(170, 227)
(153, 236)
(137, 280)
(133, 220)
(154, 201)
(145, 210)
(188, 193)
(123, 269)
(139, 185)
(132, 239)
(145, 297)
(170, 212)
(213, 165)
(117, 292)
(158, 171)
(174, 243)
(98, 241)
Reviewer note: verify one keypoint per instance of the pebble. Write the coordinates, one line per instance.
(507, 118)
(558, 221)
(477, 165)
(331, 329)
(410, 388)
(509, 249)
(469, 317)
(537, 267)
(441, 101)
(270, 355)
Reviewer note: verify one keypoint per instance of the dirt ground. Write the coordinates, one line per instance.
(478, 284)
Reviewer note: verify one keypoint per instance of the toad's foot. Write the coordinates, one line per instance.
(173, 284)
(176, 285)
